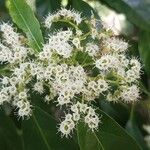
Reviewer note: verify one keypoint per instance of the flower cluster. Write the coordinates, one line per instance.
(57, 72)
(79, 111)
(65, 14)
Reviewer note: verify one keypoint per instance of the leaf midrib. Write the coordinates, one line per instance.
(26, 24)
(98, 141)
(40, 130)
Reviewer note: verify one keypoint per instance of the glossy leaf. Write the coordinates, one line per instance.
(23, 16)
(144, 49)
(137, 11)
(110, 136)
(40, 133)
(9, 138)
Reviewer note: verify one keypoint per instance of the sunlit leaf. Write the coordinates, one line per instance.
(23, 16)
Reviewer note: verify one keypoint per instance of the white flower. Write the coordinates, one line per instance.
(59, 43)
(63, 100)
(92, 119)
(24, 108)
(102, 85)
(79, 32)
(131, 76)
(76, 42)
(48, 98)
(4, 97)
(10, 36)
(74, 108)
(38, 87)
(107, 62)
(116, 45)
(67, 125)
(12, 90)
(5, 80)
(23, 95)
(130, 94)
(13, 80)
(92, 49)
(135, 65)
(65, 14)
(76, 116)
(70, 14)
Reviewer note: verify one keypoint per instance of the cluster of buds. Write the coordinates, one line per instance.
(71, 81)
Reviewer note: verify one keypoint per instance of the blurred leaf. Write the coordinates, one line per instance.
(2, 3)
(47, 6)
(137, 11)
(135, 132)
(9, 138)
(83, 7)
(40, 133)
(54, 5)
(133, 129)
(110, 136)
(24, 17)
(144, 49)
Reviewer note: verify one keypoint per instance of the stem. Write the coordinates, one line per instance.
(88, 64)
(66, 21)
(85, 36)
(111, 81)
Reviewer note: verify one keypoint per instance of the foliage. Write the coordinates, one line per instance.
(39, 132)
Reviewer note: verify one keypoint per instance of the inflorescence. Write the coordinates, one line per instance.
(57, 72)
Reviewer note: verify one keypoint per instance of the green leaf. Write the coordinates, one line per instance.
(144, 49)
(118, 111)
(88, 140)
(135, 132)
(23, 16)
(133, 128)
(40, 133)
(54, 5)
(110, 136)
(9, 138)
(83, 7)
(137, 11)
(45, 7)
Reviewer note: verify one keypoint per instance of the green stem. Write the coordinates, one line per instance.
(85, 36)
(86, 65)
(69, 22)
